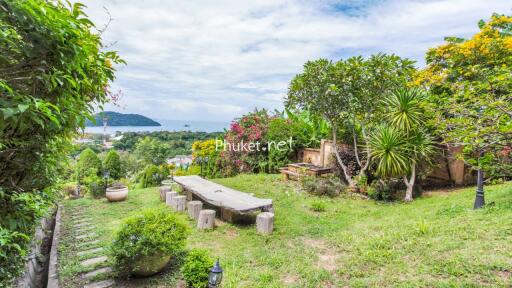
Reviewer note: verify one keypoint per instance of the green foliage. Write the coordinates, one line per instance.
(152, 175)
(318, 206)
(53, 71)
(188, 170)
(180, 142)
(196, 268)
(19, 214)
(346, 94)
(330, 187)
(403, 144)
(148, 233)
(96, 187)
(113, 165)
(471, 85)
(312, 127)
(89, 164)
(151, 151)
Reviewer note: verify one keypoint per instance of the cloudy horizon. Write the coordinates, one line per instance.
(216, 60)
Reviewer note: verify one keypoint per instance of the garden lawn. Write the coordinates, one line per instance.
(435, 241)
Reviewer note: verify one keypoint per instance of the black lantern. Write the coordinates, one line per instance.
(215, 276)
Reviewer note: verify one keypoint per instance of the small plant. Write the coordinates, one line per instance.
(196, 268)
(149, 237)
(318, 206)
(96, 187)
(152, 175)
(330, 187)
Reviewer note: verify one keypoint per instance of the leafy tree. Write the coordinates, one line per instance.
(151, 151)
(471, 84)
(346, 94)
(112, 163)
(53, 70)
(399, 147)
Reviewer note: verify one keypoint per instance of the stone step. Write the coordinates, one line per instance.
(84, 229)
(84, 236)
(96, 272)
(83, 224)
(90, 243)
(94, 261)
(90, 251)
(101, 284)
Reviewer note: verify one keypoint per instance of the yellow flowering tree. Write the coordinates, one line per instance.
(470, 81)
(207, 151)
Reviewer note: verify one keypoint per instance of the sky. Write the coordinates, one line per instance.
(209, 60)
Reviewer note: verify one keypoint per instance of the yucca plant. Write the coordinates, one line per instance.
(398, 147)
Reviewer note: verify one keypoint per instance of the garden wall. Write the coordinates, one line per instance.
(447, 170)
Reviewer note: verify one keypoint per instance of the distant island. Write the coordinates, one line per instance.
(120, 119)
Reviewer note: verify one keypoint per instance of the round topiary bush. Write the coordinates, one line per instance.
(196, 267)
(146, 242)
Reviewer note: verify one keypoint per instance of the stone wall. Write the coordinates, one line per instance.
(36, 268)
(447, 170)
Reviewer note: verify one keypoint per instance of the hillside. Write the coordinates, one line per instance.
(120, 119)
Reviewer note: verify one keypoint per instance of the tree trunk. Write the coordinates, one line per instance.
(179, 203)
(348, 178)
(194, 207)
(206, 219)
(265, 223)
(410, 184)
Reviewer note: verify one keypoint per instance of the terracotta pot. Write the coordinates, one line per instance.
(116, 193)
(150, 265)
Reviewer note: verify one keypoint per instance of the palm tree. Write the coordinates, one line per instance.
(403, 143)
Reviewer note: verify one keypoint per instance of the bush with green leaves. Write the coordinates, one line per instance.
(330, 187)
(196, 268)
(54, 72)
(147, 233)
(113, 165)
(89, 164)
(153, 175)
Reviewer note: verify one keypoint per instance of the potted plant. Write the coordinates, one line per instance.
(147, 241)
(117, 192)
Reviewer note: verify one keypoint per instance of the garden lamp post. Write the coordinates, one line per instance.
(199, 159)
(77, 192)
(479, 198)
(106, 174)
(215, 276)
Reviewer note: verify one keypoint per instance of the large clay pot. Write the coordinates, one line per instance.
(150, 265)
(116, 193)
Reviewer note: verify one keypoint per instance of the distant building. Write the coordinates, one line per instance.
(180, 160)
(83, 141)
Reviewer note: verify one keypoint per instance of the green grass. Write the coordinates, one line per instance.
(435, 241)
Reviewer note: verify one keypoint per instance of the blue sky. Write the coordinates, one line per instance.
(216, 60)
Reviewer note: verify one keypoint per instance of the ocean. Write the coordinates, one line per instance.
(167, 125)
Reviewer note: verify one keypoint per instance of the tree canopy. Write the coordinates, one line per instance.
(470, 81)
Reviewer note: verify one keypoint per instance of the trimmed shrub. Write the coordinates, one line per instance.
(112, 164)
(196, 268)
(148, 233)
(89, 164)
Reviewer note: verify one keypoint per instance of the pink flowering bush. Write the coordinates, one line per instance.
(251, 128)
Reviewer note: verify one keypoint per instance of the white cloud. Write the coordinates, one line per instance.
(214, 60)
